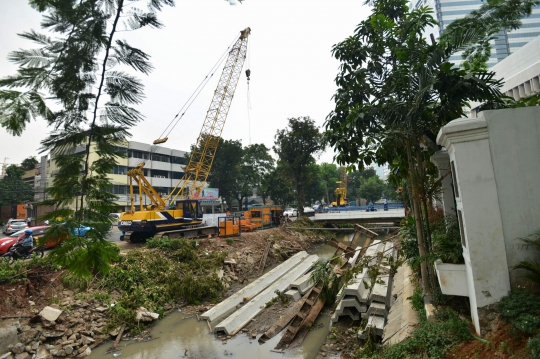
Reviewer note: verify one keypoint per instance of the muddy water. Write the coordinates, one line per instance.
(177, 333)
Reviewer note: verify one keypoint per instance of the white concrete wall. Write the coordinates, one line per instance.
(514, 140)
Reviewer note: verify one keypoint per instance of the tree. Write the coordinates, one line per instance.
(78, 69)
(256, 162)
(296, 147)
(226, 169)
(315, 189)
(277, 186)
(13, 190)
(29, 163)
(371, 189)
(394, 88)
(329, 176)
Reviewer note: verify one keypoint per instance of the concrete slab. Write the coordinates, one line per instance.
(380, 292)
(293, 294)
(402, 318)
(236, 321)
(229, 305)
(302, 284)
(375, 323)
(377, 309)
(354, 258)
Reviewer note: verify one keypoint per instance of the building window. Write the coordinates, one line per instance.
(178, 160)
(119, 170)
(121, 150)
(461, 229)
(160, 174)
(119, 189)
(160, 158)
(177, 175)
(454, 179)
(138, 154)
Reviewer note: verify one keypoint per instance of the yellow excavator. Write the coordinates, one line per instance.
(180, 214)
(341, 190)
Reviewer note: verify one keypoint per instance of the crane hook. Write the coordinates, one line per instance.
(248, 73)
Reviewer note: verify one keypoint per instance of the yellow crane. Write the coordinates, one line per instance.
(341, 190)
(171, 214)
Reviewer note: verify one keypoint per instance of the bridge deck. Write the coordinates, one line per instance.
(392, 215)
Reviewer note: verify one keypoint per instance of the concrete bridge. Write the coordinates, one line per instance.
(393, 215)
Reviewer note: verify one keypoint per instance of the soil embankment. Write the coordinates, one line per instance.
(109, 305)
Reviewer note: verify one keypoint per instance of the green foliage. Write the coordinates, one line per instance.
(323, 273)
(20, 269)
(534, 345)
(230, 241)
(78, 69)
(371, 189)
(532, 267)
(431, 339)
(417, 301)
(13, 190)
(29, 163)
(446, 238)
(522, 310)
(296, 147)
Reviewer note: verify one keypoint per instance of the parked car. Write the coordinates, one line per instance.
(292, 212)
(37, 233)
(14, 225)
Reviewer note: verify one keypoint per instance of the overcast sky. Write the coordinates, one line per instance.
(289, 55)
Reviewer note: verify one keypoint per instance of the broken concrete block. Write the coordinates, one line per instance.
(293, 294)
(50, 313)
(145, 316)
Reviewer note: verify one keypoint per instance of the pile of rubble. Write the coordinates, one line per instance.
(55, 332)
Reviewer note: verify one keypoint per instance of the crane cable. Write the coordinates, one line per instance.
(203, 83)
(248, 74)
(192, 98)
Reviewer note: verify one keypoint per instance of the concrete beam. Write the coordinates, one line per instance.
(302, 284)
(376, 323)
(293, 294)
(242, 316)
(229, 305)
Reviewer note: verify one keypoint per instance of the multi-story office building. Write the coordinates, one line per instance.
(507, 42)
(164, 168)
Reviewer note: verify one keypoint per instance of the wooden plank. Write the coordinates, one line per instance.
(262, 263)
(365, 231)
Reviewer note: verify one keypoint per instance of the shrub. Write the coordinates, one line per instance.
(522, 310)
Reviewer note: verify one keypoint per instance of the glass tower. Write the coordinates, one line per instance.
(507, 42)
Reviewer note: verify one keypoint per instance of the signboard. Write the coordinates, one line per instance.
(207, 194)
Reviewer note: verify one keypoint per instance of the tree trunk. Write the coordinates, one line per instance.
(418, 219)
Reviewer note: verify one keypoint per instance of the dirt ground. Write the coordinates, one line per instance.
(504, 343)
(21, 302)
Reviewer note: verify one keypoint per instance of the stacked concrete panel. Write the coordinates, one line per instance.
(229, 305)
(302, 284)
(236, 321)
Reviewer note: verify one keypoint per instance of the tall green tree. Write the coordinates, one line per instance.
(371, 189)
(296, 146)
(226, 169)
(394, 87)
(329, 176)
(29, 163)
(315, 189)
(79, 69)
(256, 162)
(13, 190)
(277, 186)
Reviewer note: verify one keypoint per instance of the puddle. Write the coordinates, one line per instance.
(175, 334)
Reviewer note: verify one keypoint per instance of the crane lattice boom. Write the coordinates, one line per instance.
(204, 152)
